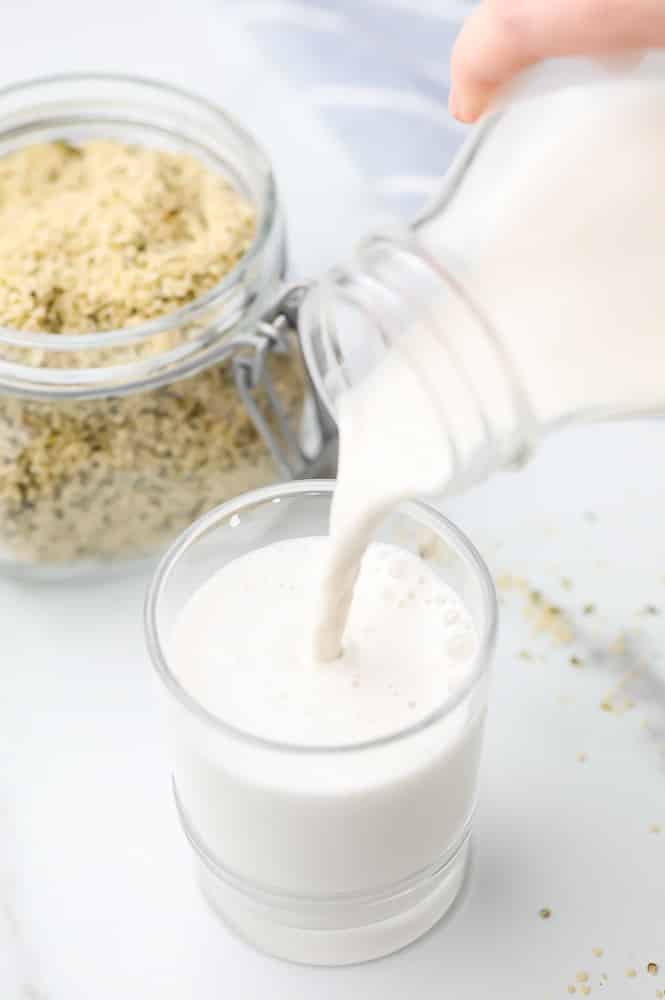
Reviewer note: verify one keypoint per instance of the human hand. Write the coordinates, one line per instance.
(502, 37)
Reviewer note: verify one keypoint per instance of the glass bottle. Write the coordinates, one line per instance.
(536, 271)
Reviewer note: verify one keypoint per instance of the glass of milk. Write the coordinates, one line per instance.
(314, 852)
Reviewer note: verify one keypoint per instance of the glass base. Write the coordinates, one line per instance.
(363, 930)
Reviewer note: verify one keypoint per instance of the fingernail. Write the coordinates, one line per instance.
(465, 109)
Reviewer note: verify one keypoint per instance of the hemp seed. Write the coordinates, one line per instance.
(105, 236)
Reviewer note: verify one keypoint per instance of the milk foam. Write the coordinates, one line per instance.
(242, 645)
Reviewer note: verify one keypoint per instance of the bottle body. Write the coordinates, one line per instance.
(529, 295)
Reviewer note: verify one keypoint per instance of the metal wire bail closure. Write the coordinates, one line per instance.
(299, 452)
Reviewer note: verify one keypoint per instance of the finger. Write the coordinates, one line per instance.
(503, 37)
(485, 54)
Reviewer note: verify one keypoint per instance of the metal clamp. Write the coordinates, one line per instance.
(297, 452)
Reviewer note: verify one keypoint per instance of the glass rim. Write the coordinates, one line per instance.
(267, 217)
(316, 487)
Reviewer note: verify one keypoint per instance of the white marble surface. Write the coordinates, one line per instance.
(95, 892)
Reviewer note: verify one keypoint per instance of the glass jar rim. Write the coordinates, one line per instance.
(267, 214)
(316, 487)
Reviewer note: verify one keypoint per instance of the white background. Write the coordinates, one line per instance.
(96, 899)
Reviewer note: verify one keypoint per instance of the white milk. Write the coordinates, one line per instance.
(327, 856)
(242, 646)
(571, 278)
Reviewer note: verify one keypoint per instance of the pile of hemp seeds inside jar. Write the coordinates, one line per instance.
(103, 236)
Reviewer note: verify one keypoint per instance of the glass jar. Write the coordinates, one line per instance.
(112, 442)
(535, 318)
(306, 850)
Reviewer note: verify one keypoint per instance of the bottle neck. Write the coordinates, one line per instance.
(395, 298)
